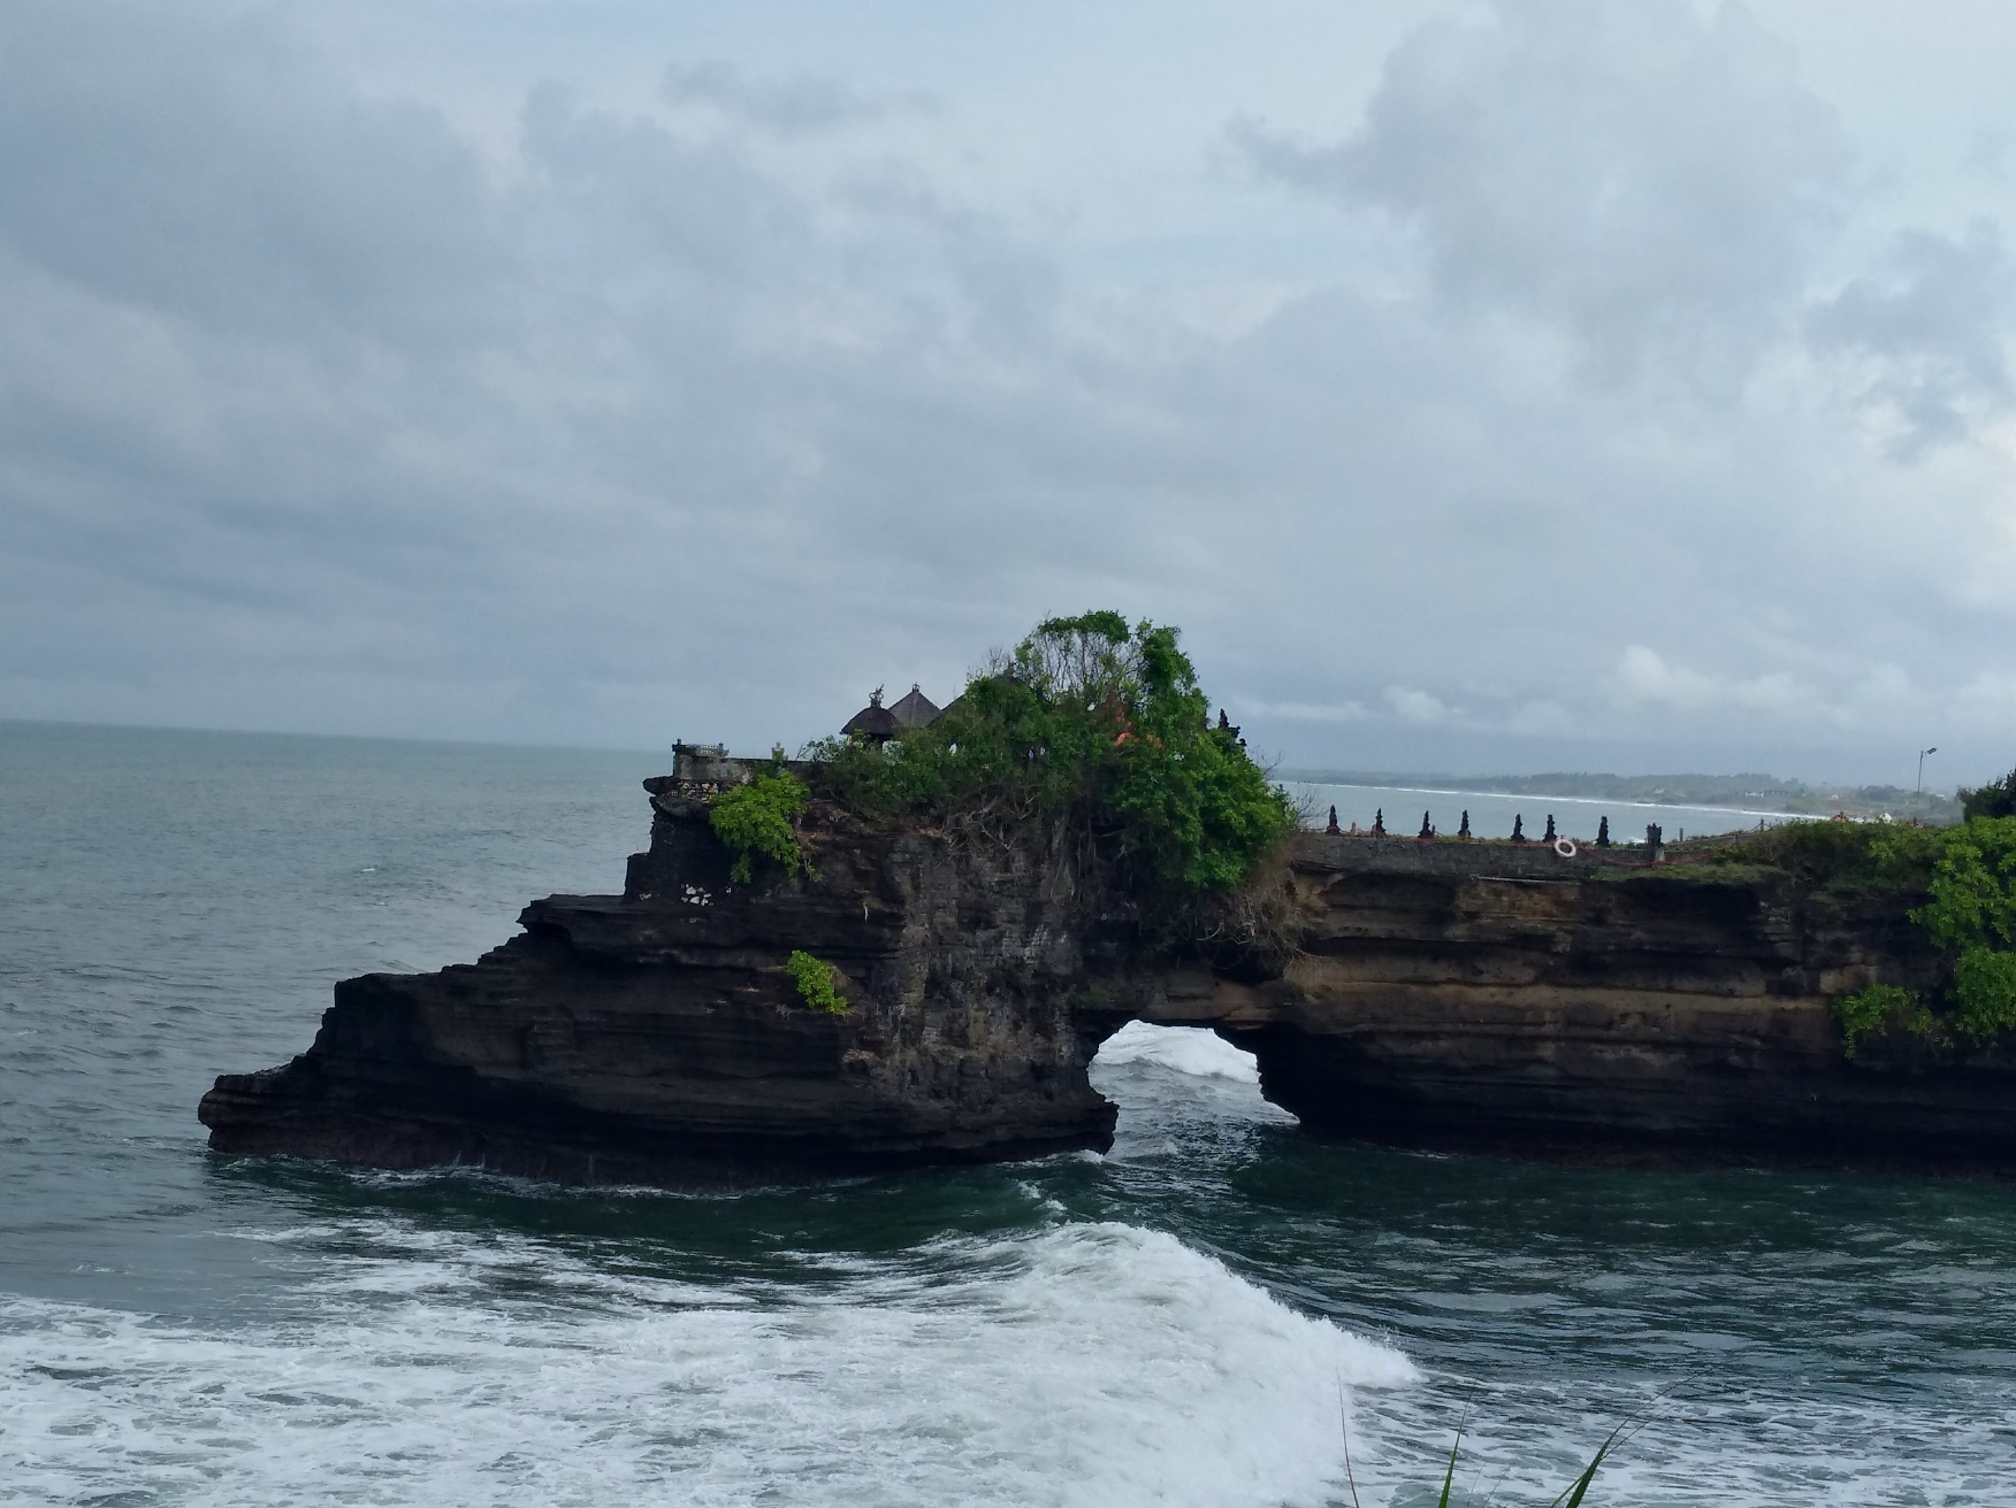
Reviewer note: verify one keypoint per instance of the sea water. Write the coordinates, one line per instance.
(1208, 1315)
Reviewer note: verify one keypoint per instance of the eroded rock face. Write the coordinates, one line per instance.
(654, 1037)
(1469, 995)
(1440, 994)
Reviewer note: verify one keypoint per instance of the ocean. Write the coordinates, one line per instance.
(1205, 1316)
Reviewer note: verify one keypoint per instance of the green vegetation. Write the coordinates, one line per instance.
(758, 819)
(1967, 875)
(1972, 917)
(1995, 799)
(1845, 856)
(1088, 747)
(818, 982)
(1881, 1010)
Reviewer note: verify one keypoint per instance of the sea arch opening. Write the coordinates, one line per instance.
(1163, 1077)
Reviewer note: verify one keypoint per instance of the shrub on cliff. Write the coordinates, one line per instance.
(1845, 855)
(1884, 1010)
(1972, 916)
(1090, 743)
(818, 982)
(1968, 875)
(755, 819)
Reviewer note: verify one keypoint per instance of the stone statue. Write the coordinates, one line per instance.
(1379, 823)
(1550, 835)
(1602, 832)
(1333, 827)
(1427, 827)
(1464, 830)
(1518, 828)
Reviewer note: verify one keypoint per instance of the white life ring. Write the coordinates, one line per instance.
(1564, 847)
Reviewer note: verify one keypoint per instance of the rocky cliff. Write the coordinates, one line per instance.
(1486, 995)
(1434, 993)
(654, 1036)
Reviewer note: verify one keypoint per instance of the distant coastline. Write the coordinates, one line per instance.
(1743, 793)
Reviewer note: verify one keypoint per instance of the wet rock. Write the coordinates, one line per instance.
(654, 1036)
(1438, 994)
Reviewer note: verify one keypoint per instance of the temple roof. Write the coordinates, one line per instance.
(915, 710)
(873, 720)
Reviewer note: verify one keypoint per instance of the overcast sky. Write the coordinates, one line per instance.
(1575, 384)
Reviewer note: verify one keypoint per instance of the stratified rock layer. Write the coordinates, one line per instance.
(1440, 993)
(1480, 995)
(655, 1037)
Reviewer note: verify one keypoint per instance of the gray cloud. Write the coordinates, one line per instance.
(210, 172)
(804, 105)
(687, 415)
(320, 408)
(1645, 179)
(1932, 329)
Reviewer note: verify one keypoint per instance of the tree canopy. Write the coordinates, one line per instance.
(1091, 739)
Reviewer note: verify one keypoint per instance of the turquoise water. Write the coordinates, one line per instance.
(1185, 1321)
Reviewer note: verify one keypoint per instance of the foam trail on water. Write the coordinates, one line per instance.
(1085, 1364)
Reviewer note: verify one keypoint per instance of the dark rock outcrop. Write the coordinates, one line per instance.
(655, 1037)
(1450, 995)
(1467, 994)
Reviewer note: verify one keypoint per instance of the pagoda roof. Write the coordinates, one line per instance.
(915, 710)
(873, 720)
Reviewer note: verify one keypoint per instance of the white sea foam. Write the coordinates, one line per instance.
(1740, 1448)
(1202, 1054)
(1084, 1364)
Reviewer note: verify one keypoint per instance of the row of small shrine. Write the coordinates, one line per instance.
(1653, 835)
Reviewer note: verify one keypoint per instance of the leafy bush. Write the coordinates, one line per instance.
(818, 982)
(1984, 984)
(1995, 799)
(1090, 743)
(1845, 855)
(1882, 1009)
(1972, 915)
(756, 818)
(1968, 876)
(1973, 886)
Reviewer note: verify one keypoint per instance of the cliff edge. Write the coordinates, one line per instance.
(655, 1036)
(1437, 993)
(1489, 996)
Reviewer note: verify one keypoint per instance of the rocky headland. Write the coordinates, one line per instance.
(1424, 993)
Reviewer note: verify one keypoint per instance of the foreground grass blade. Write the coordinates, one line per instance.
(1572, 1495)
(1344, 1425)
(1449, 1477)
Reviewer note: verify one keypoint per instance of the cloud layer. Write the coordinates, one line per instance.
(1587, 408)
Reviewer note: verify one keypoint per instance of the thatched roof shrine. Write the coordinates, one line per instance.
(915, 710)
(874, 720)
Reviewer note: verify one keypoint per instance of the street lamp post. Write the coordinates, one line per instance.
(1921, 766)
